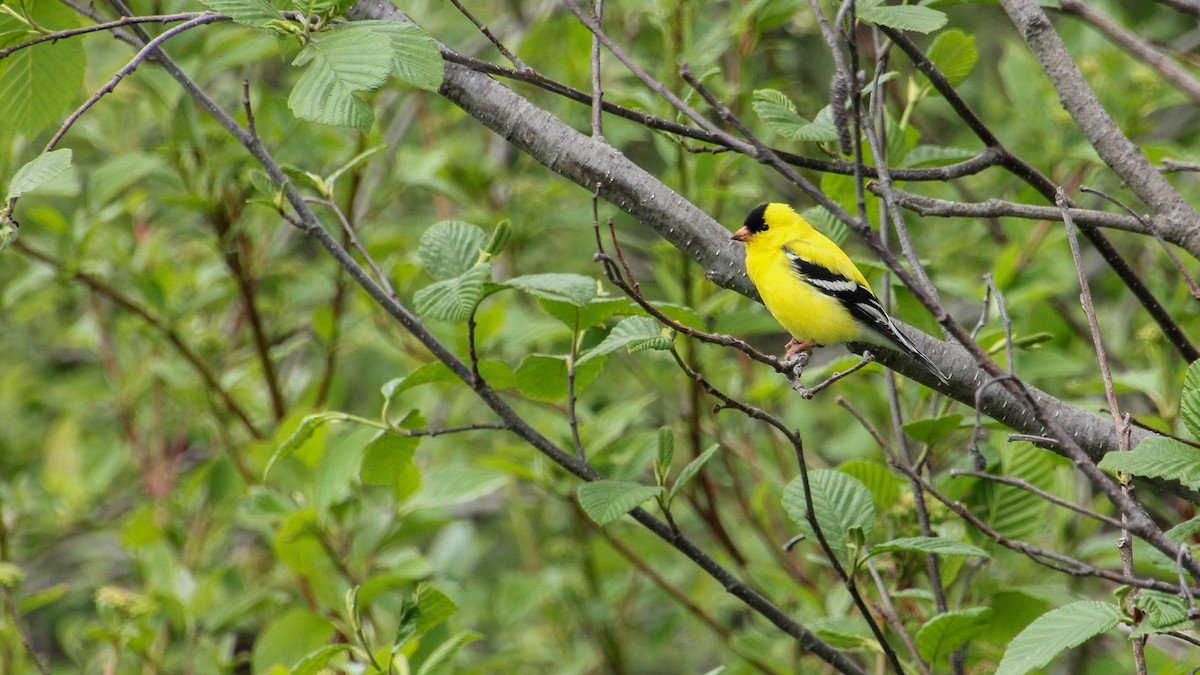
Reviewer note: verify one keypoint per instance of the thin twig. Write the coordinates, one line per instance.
(108, 25)
(1040, 493)
(793, 437)
(11, 606)
(597, 90)
(504, 51)
(1148, 223)
(893, 618)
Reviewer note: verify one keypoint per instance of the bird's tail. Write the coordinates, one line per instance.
(906, 345)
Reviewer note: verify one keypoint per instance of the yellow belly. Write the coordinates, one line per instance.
(803, 311)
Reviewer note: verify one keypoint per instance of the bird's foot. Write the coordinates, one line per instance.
(796, 356)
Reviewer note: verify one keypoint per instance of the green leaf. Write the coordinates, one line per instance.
(935, 545)
(946, 632)
(416, 58)
(434, 608)
(257, 13)
(410, 614)
(1189, 400)
(1010, 510)
(343, 61)
(665, 456)
(316, 661)
(778, 112)
(385, 458)
(1055, 631)
(352, 162)
(693, 467)
(455, 485)
(544, 378)
(453, 299)
(636, 333)
(606, 500)
(1184, 531)
(500, 237)
(39, 84)
(1157, 457)
(300, 437)
(827, 223)
(574, 289)
(297, 632)
(1164, 612)
(443, 657)
(595, 313)
(450, 248)
(840, 503)
(953, 52)
(44, 168)
(933, 429)
(903, 17)
(430, 372)
(884, 487)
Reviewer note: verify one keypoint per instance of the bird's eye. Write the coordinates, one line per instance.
(755, 222)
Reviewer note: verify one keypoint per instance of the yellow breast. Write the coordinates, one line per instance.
(806, 313)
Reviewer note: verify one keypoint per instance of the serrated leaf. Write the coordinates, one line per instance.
(257, 13)
(933, 429)
(385, 458)
(903, 17)
(827, 223)
(1189, 400)
(606, 500)
(948, 631)
(1010, 510)
(1164, 611)
(779, 113)
(38, 85)
(1157, 457)
(935, 545)
(840, 503)
(453, 299)
(693, 467)
(1055, 631)
(416, 58)
(450, 248)
(636, 333)
(544, 378)
(953, 52)
(42, 169)
(573, 289)
(340, 63)
(1184, 531)
(884, 487)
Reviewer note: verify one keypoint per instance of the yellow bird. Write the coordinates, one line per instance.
(812, 287)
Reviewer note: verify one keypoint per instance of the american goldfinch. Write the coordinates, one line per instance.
(811, 286)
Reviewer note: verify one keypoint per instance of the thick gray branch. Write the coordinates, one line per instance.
(1125, 158)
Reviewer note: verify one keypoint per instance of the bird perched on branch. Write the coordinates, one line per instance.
(811, 286)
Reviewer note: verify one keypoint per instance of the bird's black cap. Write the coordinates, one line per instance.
(755, 221)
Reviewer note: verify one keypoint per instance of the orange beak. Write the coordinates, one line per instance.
(742, 235)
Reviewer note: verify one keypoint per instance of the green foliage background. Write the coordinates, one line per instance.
(141, 532)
